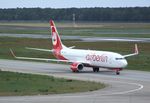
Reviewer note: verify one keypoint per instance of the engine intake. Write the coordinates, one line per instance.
(77, 67)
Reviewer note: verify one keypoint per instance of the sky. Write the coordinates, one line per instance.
(72, 3)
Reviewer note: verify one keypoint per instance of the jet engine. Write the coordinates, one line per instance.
(76, 67)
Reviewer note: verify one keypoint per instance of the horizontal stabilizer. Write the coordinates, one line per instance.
(72, 47)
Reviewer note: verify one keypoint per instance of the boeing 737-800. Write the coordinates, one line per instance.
(79, 58)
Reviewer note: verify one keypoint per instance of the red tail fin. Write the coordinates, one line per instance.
(56, 41)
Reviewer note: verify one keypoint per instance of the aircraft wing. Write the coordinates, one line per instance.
(40, 59)
(47, 50)
(136, 52)
(44, 59)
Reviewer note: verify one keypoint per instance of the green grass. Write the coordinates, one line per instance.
(82, 29)
(25, 24)
(12, 83)
(78, 24)
(14, 31)
(140, 62)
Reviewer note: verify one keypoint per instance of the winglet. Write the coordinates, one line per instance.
(136, 52)
(136, 49)
(72, 47)
(12, 53)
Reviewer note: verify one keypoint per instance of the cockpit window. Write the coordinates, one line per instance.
(119, 58)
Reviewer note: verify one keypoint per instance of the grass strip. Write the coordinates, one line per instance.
(12, 83)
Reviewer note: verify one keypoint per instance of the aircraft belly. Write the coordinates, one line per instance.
(99, 64)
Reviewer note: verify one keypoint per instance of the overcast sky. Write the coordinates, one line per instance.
(72, 3)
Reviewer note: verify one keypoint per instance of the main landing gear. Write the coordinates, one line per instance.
(117, 73)
(95, 69)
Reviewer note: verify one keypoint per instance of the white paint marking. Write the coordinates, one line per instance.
(129, 91)
(115, 93)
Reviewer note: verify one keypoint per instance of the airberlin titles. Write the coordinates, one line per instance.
(98, 58)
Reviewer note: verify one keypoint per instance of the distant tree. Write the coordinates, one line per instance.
(136, 14)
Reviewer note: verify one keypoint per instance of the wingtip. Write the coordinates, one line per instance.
(136, 49)
(11, 51)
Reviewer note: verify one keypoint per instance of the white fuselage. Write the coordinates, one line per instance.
(95, 58)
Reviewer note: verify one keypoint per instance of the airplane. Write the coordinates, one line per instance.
(79, 58)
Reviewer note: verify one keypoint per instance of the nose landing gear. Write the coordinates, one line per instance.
(117, 70)
(117, 73)
(95, 69)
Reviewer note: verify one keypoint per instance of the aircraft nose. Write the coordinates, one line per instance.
(124, 63)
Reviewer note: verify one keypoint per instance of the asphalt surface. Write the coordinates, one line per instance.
(128, 87)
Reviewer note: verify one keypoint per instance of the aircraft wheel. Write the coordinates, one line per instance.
(95, 69)
(117, 73)
(73, 71)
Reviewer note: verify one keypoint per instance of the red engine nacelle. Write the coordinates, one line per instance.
(75, 67)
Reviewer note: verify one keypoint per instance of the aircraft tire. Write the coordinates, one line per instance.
(95, 69)
(117, 73)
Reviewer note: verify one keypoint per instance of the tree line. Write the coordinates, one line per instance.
(132, 14)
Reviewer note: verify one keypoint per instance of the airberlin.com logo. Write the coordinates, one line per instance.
(54, 38)
(98, 58)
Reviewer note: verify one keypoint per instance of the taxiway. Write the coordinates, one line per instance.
(128, 87)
